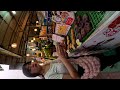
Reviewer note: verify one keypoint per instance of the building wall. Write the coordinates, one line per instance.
(13, 30)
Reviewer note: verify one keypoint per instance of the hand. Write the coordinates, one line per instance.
(63, 44)
(61, 51)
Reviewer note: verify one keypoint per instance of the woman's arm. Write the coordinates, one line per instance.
(66, 76)
(72, 71)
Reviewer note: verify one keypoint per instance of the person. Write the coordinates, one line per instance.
(86, 67)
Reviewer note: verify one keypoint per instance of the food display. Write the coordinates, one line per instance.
(87, 27)
(78, 43)
(82, 26)
(73, 27)
(82, 31)
(85, 18)
(73, 38)
(68, 43)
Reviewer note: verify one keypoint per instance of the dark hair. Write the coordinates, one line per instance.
(26, 71)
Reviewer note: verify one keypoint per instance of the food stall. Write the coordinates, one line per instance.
(94, 30)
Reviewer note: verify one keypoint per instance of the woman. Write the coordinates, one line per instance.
(65, 68)
(50, 70)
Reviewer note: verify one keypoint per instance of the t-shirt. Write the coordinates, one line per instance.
(57, 70)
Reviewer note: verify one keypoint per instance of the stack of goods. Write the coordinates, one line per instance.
(71, 41)
(82, 26)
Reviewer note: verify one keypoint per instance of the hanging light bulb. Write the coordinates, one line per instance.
(32, 40)
(27, 55)
(35, 29)
(14, 45)
(14, 12)
(41, 64)
(37, 22)
(33, 49)
(32, 61)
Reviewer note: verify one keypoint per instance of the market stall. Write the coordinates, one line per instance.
(88, 29)
(94, 30)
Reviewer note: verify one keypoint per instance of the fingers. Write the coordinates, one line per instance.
(57, 49)
(61, 52)
(60, 49)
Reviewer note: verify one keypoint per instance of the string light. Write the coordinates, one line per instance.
(27, 55)
(37, 22)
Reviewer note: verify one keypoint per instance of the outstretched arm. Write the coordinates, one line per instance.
(72, 71)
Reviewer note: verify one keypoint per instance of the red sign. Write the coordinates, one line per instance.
(69, 21)
(114, 23)
(113, 28)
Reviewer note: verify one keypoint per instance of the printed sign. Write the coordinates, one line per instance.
(69, 21)
(64, 15)
(109, 37)
(113, 28)
(67, 17)
(57, 38)
(62, 29)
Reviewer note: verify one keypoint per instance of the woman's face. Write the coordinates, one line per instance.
(34, 67)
